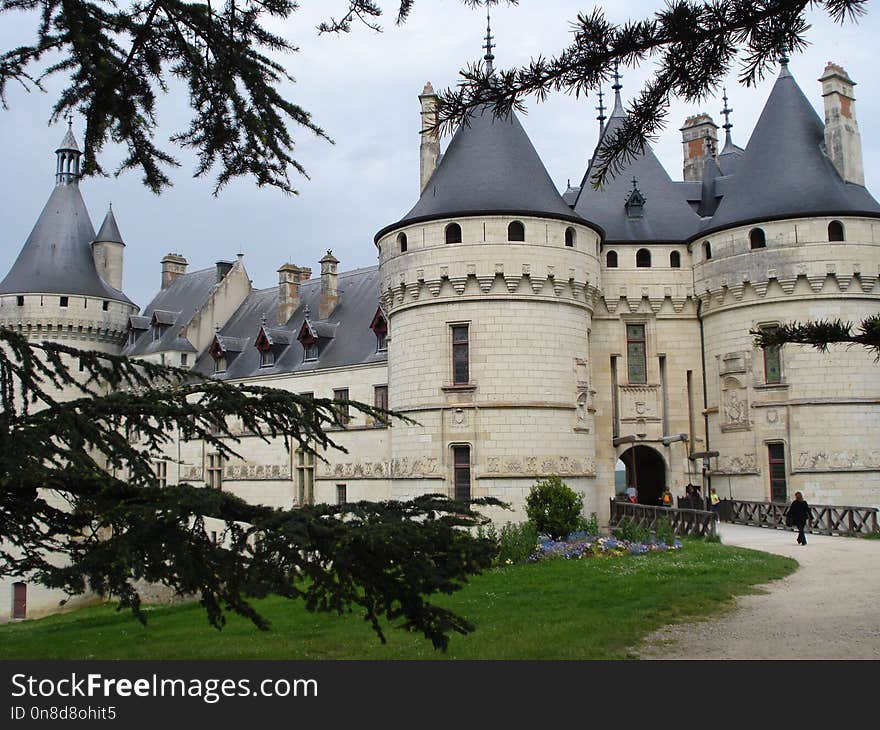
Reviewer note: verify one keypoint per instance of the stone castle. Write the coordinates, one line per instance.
(529, 332)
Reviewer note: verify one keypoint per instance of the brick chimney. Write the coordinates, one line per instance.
(289, 279)
(329, 292)
(843, 143)
(699, 136)
(429, 150)
(173, 265)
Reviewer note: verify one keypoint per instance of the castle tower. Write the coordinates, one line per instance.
(54, 290)
(792, 240)
(488, 285)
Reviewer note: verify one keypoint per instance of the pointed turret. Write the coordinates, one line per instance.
(785, 171)
(664, 214)
(109, 232)
(57, 256)
(108, 250)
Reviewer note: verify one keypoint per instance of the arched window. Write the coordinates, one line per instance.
(675, 260)
(707, 250)
(643, 258)
(570, 237)
(516, 231)
(757, 239)
(453, 233)
(835, 231)
(401, 242)
(611, 259)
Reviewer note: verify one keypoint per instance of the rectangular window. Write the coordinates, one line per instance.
(305, 476)
(184, 360)
(267, 358)
(220, 364)
(636, 355)
(342, 409)
(380, 400)
(214, 471)
(162, 473)
(105, 305)
(341, 494)
(381, 341)
(63, 301)
(132, 337)
(19, 600)
(157, 333)
(310, 352)
(778, 487)
(162, 359)
(772, 361)
(19, 301)
(460, 355)
(461, 459)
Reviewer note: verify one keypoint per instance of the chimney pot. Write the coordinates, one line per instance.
(173, 266)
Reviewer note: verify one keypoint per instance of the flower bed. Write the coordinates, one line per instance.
(580, 545)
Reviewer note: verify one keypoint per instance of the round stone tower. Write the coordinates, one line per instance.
(66, 282)
(794, 239)
(488, 284)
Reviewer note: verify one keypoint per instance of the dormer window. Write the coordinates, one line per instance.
(635, 202)
(516, 231)
(310, 351)
(379, 325)
(271, 343)
(132, 336)
(224, 350)
(309, 341)
(220, 364)
(267, 358)
(453, 233)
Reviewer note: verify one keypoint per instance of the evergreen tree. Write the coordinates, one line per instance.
(81, 509)
(117, 58)
(822, 333)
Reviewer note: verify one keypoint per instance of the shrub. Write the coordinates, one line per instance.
(554, 508)
(516, 543)
(630, 530)
(588, 526)
(664, 530)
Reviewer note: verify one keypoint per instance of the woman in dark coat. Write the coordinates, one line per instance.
(798, 515)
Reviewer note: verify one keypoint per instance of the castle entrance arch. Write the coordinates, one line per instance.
(646, 471)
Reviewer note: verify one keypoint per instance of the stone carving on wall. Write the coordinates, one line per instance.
(737, 464)
(537, 466)
(639, 402)
(733, 362)
(247, 472)
(845, 460)
(734, 406)
(459, 419)
(190, 473)
(355, 470)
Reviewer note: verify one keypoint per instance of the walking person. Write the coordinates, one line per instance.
(798, 515)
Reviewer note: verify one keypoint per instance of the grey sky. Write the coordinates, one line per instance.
(362, 89)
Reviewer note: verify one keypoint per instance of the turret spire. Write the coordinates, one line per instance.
(617, 86)
(67, 157)
(601, 110)
(726, 111)
(489, 57)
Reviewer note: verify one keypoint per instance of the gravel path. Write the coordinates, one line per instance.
(827, 609)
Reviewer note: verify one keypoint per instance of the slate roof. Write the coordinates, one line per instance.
(57, 256)
(490, 167)
(345, 338)
(667, 216)
(175, 307)
(785, 171)
(109, 232)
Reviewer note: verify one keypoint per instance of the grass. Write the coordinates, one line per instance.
(590, 609)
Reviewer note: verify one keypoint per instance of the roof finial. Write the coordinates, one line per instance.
(488, 58)
(263, 319)
(617, 86)
(601, 110)
(726, 111)
(783, 65)
(69, 118)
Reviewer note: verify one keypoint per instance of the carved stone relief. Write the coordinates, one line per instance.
(734, 405)
(190, 473)
(256, 472)
(737, 464)
(639, 402)
(536, 466)
(846, 460)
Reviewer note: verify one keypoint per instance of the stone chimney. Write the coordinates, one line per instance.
(429, 150)
(223, 268)
(843, 143)
(289, 279)
(329, 292)
(173, 265)
(699, 136)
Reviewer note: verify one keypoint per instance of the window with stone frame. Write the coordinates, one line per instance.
(341, 494)
(343, 410)
(214, 470)
(161, 469)
(772, 360)
(776, 464)
(305, 476)
(380, 400)
(460, 354)
(461, 466)
(636, 354)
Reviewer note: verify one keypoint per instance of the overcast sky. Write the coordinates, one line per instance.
(362, 88)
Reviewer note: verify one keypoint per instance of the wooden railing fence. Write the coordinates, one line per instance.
(684, 521)
(827, 519)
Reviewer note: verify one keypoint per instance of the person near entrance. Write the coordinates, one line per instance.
(798, 515)
(714, 499)
(666, 499)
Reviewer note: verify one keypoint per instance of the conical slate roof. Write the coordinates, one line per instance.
(490, 167)
(785, 171)
(666, 215)
(57, 256)
(109, 232)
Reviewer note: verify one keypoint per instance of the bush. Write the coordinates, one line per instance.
(664, 530)
(516, 543)
(588, 526)
(554, 508)
(630, 530)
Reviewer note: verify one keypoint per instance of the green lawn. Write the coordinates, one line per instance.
(590, 609)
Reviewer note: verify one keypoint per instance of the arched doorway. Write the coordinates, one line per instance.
(646, 471)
